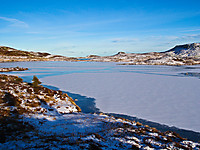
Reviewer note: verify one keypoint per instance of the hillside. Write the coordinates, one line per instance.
(8, 54)
(186, 50)
(35, 117)
(187, 54)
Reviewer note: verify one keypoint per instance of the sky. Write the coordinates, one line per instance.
(100, 27)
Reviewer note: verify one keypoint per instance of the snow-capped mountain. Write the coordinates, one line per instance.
(186, 50)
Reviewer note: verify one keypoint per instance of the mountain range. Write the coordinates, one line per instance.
(187, 54)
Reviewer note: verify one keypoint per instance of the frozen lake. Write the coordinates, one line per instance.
(157, 93)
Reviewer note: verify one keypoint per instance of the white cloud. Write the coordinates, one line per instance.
(15, 22)
(32, 32)
(192, 30)
(188, 38)
(124, 40)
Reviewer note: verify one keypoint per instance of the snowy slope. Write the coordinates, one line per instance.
(186, 50)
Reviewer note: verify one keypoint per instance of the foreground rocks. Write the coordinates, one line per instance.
(35, 117)
(12, 69)
(21, 97)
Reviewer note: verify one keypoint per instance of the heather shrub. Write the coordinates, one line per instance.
(36, 81)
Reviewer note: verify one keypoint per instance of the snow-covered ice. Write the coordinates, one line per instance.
(155, 93)
(168, 100)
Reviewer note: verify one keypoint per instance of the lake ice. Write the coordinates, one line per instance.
(156, 93)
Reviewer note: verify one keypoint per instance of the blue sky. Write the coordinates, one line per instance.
(102, 27)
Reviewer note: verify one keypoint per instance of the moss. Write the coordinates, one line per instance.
(4, 112)
(181, 146)
(178, 136)
(169, 139)
(154, 130)
(72, 101)
(135, 147)
(11, 100)
(4, 77)
(19, 111)
(78, 108)
(19, 80)
(138, 124)
(36, 90)
(48, 99)
(29, 90)
(11, 127)
(33, 104)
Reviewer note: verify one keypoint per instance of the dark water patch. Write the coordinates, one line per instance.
(84, 59)
(189, 134)
(87, 104)
(27, 78)
(51, 87)
(189, 67)
(191, 74)
(150, 73)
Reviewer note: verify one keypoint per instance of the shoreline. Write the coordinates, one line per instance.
(88, 105)
(91, 108)
(33, 116)
(94, 109)
(83, 101)
(187, 54)
(123, 63)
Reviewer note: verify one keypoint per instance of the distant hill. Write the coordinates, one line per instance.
(186, 50)
(187, 54)
(7, 51)
(11, 54)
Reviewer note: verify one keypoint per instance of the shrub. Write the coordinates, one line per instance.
(36, 81)
(18, 80)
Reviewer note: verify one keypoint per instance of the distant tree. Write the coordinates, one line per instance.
(36, 81)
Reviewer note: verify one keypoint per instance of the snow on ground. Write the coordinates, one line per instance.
(91, 131)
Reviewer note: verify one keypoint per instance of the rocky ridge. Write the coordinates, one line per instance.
(35, 117)
(8, 54)
(187, 54)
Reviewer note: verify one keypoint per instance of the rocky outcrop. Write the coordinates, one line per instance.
(12, 69)
(20, 97)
